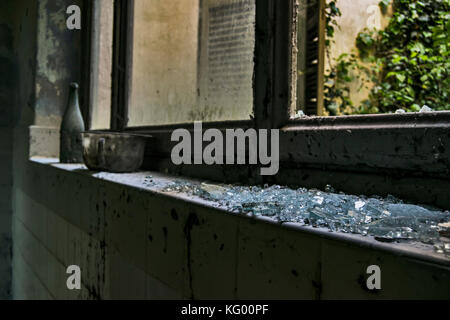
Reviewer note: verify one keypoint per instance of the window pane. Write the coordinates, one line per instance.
(102, 64)
(192, 60)
(308, 62)
(376, 57)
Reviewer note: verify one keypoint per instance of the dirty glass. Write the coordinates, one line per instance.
(101, 53)
(192, 61)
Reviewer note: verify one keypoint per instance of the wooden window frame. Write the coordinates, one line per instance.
(313, 151)
(271, 44)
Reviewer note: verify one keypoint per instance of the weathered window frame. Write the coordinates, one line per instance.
(413, 162)
(265, 51)
(272, 34)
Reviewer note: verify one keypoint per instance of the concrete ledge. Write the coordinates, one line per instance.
(44, 141)
(190, 248)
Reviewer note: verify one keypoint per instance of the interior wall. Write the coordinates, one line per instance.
(15, 18)
(59, 61)
(7, 83)
(44, 58)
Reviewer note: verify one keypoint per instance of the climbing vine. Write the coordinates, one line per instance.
(405, 66)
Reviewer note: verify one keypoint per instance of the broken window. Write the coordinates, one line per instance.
(194, 60)
(215, 61)
(372, 58)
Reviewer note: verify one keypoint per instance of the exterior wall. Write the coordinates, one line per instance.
(356, 16)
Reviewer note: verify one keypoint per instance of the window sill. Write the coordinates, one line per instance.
(413, 250)
(406, 155)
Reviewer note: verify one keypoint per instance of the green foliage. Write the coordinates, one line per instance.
(332, 92)
(384, 5)
(407, 64)
(332, 11)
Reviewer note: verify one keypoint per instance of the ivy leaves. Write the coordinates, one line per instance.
(414, 51)
(332, 11)
(408, 62)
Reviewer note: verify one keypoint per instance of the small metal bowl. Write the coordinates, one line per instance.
(113, 152)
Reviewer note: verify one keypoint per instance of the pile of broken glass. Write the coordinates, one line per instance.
(385, 218)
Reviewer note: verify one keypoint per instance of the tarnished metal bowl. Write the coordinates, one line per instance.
(113, 152)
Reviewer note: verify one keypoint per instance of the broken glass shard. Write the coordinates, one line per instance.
(387, 219)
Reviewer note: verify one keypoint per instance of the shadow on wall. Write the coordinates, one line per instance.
(7, 85)
(17, 85)
(7, 77)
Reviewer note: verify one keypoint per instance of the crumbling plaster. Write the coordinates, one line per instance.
(58, 61)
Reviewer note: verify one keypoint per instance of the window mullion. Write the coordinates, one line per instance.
(122, 62)
(272, 63)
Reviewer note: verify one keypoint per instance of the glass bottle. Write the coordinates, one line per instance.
(71, 148)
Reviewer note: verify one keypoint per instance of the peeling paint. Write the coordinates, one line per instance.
(58, 61)
(190, 223)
